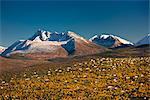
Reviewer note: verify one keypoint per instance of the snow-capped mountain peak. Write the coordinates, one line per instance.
(45, 44)
(110, 41)
(76, 37)
(105, 36)
(72, 34)
(123, 40)
(40, 35)
(95, 36)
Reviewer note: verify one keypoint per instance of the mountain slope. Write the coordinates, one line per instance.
(83, 46)
(144, 41)
(110, 41)
(39, 46)
(46, 45)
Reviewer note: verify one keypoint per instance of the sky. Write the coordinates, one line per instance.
(20, 19)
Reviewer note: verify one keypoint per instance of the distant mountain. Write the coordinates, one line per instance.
(2, 49)
(46, 45)
(144, 41)
(110, 41)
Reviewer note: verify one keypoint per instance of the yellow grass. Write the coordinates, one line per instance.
(101, 79)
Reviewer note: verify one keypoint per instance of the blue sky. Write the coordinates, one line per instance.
(124, 18)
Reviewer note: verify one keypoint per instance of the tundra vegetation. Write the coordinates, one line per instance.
(96, 78)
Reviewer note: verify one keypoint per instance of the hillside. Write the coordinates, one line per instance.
(21, 62)
(98, 78)
(114, 74)
(139, 51)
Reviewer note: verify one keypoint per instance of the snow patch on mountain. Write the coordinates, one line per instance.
(42, 41)
(40, 35)
(109, 40)
(76, 37)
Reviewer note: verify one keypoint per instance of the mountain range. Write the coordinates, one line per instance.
(47, 45)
